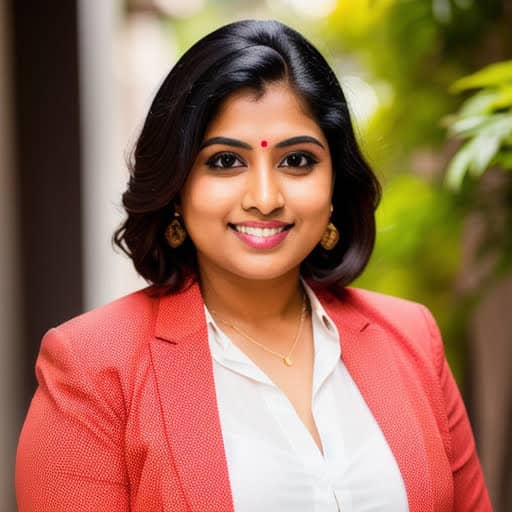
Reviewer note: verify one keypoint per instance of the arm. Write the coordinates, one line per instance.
(470, 492)
(70, 454)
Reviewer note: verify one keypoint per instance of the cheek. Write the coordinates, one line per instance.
(313, 197)
(207, 198)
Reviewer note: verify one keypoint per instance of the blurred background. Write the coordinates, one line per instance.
(429, 84)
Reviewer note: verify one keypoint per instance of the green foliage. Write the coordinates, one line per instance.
(494, 75)
(419, 54)
(484, 125)
(484, 122)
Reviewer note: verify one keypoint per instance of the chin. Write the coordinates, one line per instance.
(262, 276)
(266, 271)
(253, 267)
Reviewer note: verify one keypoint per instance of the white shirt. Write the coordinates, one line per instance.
(273, 462)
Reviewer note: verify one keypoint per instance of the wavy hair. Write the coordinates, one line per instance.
(246, 54)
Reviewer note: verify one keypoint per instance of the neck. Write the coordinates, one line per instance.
(252, 301)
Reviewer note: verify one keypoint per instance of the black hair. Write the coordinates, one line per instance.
(245, 54)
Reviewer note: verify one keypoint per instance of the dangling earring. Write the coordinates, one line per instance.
(331, 236)
(175, 232)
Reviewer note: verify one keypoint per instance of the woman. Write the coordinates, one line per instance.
(248, 377)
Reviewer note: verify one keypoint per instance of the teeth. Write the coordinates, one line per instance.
(261, 232)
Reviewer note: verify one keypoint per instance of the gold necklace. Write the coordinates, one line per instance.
(286, 358)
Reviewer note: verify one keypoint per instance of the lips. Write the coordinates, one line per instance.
(261, 235)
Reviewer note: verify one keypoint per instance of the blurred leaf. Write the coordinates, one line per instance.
(504, 98)
(495, 74)
(484, 148)
(489, 133)
(458, 166)
(465, 126)
(483, 102)
(496, 125)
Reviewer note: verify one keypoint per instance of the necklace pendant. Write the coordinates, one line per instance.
(287, 361)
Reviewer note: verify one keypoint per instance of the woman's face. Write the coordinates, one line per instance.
(258, 196)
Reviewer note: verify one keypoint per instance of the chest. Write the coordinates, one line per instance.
(295, 382)
(327, 457)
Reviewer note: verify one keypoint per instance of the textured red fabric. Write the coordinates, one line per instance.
(125, 414)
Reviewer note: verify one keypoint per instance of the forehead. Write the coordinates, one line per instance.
(277, 111)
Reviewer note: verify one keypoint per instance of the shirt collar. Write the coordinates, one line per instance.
(326, 341)
(221, 340)
(318, 311)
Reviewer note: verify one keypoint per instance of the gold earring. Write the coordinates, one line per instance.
(331, 236)
(175, 232)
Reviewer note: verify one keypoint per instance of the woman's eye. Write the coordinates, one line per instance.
(298, 160)
(224, 161)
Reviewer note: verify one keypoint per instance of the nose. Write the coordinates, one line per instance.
(263, 190)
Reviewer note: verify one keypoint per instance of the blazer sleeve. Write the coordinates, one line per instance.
(70, 454)
(470, 491)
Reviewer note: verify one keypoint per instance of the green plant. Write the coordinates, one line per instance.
(484, 122)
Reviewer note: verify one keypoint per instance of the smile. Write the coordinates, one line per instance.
(260, 235)
(262, 232)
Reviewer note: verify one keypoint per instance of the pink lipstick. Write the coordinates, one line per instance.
(262, 235)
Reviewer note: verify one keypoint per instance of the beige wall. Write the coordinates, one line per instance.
(107, 274)
(9, 302)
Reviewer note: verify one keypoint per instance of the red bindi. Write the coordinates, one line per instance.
(264, 143)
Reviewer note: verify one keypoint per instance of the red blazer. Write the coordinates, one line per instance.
(125, 416)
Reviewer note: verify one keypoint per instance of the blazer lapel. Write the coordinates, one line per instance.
(367, 352)
(184, 375)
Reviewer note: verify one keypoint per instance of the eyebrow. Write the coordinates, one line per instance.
(299, 140)
(240, 144)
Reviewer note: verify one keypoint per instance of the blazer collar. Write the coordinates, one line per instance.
(184, 374)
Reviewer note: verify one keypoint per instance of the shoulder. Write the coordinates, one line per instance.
(108, 336)
(99, 356)
(408, 323)
(388, 310)
(132, 313)
(372, 299)
(394, 312)
(376, 307)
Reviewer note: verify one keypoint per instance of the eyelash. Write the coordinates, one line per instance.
(310, 160)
